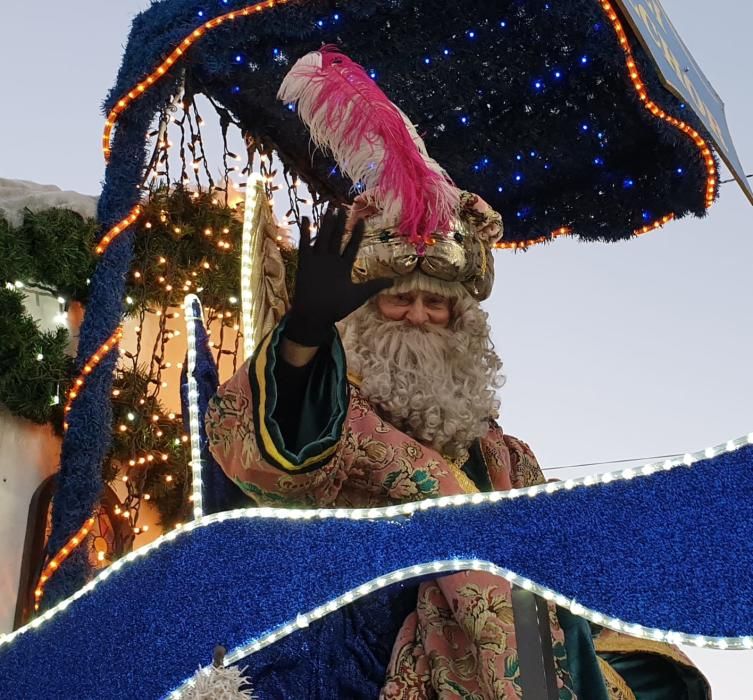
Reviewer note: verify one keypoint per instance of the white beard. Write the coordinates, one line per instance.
(435, 384)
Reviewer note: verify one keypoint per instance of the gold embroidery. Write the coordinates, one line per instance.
(483, 261)
(623, 644)
(462, 478)
(616, 686)
(616, 643)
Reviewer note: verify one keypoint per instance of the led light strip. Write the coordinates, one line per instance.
(91, 363)
(124, 102)
(54, 564)
(302, 621)
(116, 230)
(250, 214)
(193, 402)
(443, 502)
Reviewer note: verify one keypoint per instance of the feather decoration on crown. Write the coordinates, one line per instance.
(373, 142)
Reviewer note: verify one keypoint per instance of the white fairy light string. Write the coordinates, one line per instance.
(189, 303)
(443, 566)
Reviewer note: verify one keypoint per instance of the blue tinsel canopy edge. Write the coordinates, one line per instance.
(528, 104)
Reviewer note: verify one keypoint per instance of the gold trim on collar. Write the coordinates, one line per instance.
(465, 482)
(617, 688)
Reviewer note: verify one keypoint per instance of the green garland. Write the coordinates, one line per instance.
(182, 238)
(164, 471)
(34, 368)
(199, 241)
(51, 249)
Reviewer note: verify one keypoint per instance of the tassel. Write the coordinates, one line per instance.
(216, 682)
(373, 142)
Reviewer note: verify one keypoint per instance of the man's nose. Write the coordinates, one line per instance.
(417, 314)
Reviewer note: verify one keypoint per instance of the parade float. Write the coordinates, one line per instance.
(586, 119)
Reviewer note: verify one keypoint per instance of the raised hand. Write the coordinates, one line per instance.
(324, 290)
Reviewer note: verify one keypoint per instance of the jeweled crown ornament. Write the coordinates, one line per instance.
(415, 216)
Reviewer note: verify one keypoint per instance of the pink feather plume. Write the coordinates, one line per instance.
(373, 142)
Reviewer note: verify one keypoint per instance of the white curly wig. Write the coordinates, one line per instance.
(438, 385)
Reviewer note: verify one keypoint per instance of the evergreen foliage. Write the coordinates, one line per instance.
(34, 366)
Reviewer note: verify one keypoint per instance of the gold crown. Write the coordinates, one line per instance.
(463, 254)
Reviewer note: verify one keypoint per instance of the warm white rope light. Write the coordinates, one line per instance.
(191, 318)
(444, 566)
(254, 199)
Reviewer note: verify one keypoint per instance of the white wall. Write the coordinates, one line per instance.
(29, 453)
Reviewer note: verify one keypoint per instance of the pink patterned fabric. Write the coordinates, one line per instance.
(460, 641)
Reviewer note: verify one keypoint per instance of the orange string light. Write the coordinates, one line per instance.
(659, 113)
(54, 564)
(116, 230)
(522, 245)
(124, 102)
(91, 363)
(635, 77)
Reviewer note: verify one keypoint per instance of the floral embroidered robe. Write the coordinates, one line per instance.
(460, 640)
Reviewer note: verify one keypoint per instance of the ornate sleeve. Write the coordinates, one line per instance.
(247, 442)
(524, 467)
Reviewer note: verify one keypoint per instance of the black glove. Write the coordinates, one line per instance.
(324, 291)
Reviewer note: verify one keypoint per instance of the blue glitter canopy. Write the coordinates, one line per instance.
(529, 104)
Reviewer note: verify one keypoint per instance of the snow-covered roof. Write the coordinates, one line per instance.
(17, 195)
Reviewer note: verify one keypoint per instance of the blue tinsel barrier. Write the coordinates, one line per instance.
(668, 551)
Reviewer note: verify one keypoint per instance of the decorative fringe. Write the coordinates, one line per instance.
(373, 142)
(218, 683)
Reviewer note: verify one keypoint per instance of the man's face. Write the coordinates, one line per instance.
(415, 308)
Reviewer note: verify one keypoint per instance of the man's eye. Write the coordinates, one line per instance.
(402, 299)
(435, 301)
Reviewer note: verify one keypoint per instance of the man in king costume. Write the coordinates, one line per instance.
(378, 387)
